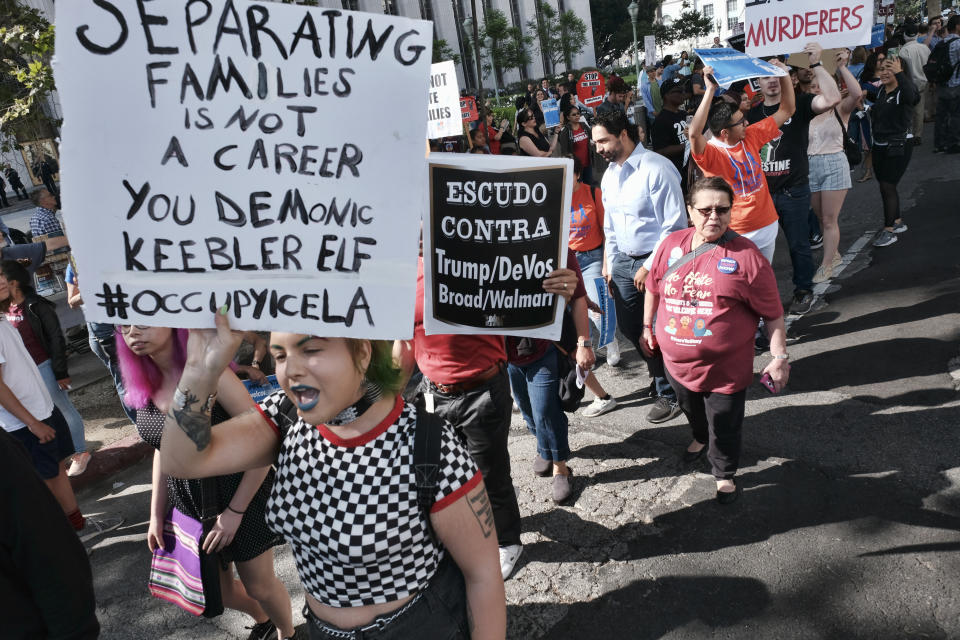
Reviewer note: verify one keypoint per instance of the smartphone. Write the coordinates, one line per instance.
(893, 52)
(767, 382)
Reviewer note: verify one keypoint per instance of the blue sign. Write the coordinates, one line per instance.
(878, 35)
(730, 65)
(551, 112)
(608, 321)
(259, 392)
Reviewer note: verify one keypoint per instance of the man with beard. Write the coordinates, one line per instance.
(787, 169)
(643, 204)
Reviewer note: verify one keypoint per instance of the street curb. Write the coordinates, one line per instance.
(111, 459)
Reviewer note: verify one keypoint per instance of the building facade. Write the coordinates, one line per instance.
(727, 17)
(448, 17)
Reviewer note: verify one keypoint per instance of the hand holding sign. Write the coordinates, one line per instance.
(814, 51)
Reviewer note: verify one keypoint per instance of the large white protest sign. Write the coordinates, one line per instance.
(443, 108)
(776, 27)
(225, 152)
(495, 228)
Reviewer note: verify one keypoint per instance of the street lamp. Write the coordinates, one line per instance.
(639, 112)
(634, 11)
(488, 42)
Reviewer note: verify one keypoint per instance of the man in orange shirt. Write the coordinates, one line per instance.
(734, 155)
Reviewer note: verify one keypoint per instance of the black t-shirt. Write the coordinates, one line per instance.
(785, 160)
(668, 129)
(538, 139)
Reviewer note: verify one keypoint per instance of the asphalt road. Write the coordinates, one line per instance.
(849, 526)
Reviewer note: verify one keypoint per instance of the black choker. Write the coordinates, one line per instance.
(371, 394)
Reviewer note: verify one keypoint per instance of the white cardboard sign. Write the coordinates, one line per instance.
(495, 227)
(235, 153)
(776, 27)
(443, 109)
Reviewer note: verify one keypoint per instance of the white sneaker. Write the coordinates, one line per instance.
(79, 464)
(509, 556)
(599, 406)
(613, 353)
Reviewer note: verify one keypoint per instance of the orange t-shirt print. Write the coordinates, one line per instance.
(741, 166)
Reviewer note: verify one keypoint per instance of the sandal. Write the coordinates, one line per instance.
(866, 177)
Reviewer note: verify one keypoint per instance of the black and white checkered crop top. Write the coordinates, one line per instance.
(349, 508)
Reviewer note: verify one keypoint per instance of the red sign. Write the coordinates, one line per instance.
(468, 109)
(592, 88)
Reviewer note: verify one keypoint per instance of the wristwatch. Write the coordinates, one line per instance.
(585, 343)
(785, 356)
(814, 65)
(255, 363)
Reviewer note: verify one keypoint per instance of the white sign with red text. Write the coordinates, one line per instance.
(782, 26)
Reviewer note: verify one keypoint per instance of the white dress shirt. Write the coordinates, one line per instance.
(643, 204)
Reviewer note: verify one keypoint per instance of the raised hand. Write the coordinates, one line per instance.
(211, 350)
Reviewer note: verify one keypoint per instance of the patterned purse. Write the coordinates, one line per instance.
(181, 572)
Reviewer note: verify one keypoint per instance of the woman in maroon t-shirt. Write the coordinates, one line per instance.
(709, 288)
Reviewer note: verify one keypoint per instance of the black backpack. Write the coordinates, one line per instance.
(938, 68)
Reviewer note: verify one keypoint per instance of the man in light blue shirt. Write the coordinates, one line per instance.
(643, 204)
(670, 70)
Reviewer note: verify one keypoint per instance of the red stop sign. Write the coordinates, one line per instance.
(592, 88)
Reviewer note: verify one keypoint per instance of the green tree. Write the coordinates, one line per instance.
(559, 36)
(691, 25)
(442, 51)
(573, 36)
(26, 79)
(612, 31)
(510, 46)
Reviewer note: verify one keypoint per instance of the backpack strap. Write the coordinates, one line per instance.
(727, 236)
(426, 460)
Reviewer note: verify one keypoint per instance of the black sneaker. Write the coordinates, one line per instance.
(662, 410)
(940, 150)
(263, 631)
(816, 241)
(953, 148)
(802, 302)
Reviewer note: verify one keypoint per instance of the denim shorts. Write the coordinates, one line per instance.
(437, 612)
(47, 456)
(829, 172)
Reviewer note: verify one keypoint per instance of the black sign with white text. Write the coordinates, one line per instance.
(493, 238)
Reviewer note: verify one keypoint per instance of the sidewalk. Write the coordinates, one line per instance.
(111, 438)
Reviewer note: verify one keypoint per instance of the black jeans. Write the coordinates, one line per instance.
(716, 420)
(889, 166)
(793, 207)
(439, 613)
(482, 415)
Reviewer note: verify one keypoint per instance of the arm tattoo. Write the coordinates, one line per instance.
(194, 422)
(480, 505)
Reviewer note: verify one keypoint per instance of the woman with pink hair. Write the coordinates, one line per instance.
(151, 362)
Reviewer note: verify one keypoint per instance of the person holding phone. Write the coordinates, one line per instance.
(892, 117)
(494, 133)
(707, 289)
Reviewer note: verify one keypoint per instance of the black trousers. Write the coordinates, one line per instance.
(482, 415)
(716, 420)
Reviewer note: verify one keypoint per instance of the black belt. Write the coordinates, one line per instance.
(641, 257)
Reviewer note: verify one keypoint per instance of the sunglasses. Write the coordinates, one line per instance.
(127, 328)
(720, 211)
